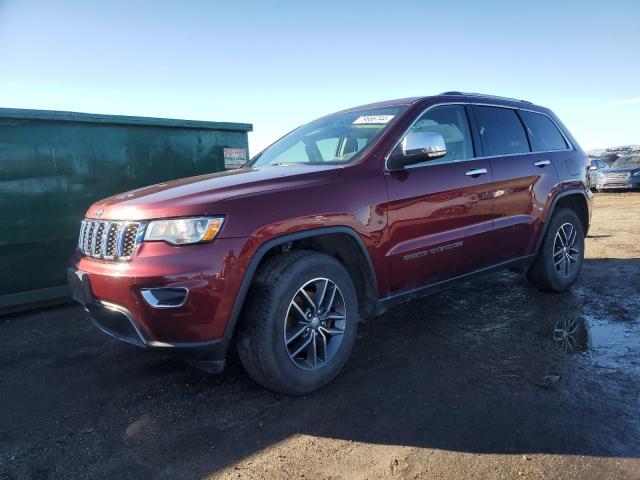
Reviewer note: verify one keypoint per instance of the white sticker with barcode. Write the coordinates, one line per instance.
(373, 119)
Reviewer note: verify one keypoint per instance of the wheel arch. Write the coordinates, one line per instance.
(573, 198)
(324, 239)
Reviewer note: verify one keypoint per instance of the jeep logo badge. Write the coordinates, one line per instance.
(98, 212)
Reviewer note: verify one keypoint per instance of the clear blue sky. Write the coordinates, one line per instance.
(280, 64)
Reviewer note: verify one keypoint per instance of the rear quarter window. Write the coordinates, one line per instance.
(543, 133)
(501, 131)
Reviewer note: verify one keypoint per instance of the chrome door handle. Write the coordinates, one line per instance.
(542, 163)
(476, 172)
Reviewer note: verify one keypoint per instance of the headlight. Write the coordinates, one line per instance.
(181, 231)
(637, 174)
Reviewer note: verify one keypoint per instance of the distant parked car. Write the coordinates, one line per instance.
(595, 170)
(625, 174)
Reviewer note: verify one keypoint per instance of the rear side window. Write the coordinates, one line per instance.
(543, 133)
(501, 131)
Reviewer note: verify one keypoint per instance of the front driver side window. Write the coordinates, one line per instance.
(451, 122)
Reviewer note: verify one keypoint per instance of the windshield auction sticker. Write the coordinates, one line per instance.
(234, 157)
(373, 119)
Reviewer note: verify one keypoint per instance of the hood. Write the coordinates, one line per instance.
(195, 195)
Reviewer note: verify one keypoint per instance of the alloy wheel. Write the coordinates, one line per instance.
(315, 324)
(565, 250)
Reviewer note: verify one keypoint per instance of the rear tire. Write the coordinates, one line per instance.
(299, 322)
(561, 254)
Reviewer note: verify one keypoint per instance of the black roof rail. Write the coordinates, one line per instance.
(496, 97)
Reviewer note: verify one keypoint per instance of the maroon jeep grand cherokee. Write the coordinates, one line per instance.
(337, 220)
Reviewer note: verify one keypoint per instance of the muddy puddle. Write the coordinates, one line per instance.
(603, 332)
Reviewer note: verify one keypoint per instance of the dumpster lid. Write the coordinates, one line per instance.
(20, 113)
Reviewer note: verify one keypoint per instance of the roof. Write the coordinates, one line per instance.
(382, 104)
(19, 113)
(484, 96)
(464, 96)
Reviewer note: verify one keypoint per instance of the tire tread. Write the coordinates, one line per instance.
(540, 273)
(253, 341)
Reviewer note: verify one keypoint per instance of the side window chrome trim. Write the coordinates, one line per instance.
(409, 167)
(487, 157)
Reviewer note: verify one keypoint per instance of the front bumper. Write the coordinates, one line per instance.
(604, 183)
(117, 322)
(211, 273)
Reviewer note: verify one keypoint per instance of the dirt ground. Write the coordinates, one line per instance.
(469, 383)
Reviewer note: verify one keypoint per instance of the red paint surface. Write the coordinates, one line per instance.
(496, 217)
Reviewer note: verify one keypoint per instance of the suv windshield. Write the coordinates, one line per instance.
(628, 161)
(330, 140)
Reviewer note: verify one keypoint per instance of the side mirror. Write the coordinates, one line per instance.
(417, 147)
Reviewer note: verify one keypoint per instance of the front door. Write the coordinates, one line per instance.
(440, 211)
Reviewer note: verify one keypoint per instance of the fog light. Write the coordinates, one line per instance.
(165, 297)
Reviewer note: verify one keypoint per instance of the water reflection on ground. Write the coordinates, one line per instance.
(605, 332)
(570, 335)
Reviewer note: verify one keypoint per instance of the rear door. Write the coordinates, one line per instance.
(524, 176)
(440, 210)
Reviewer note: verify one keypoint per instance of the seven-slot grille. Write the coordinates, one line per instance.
(109, 240)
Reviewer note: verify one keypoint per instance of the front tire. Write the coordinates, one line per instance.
(561, 254)
(299, 322)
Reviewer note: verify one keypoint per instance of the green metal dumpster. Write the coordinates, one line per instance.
(53, 165)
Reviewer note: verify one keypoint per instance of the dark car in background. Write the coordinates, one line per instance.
(624, 174)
